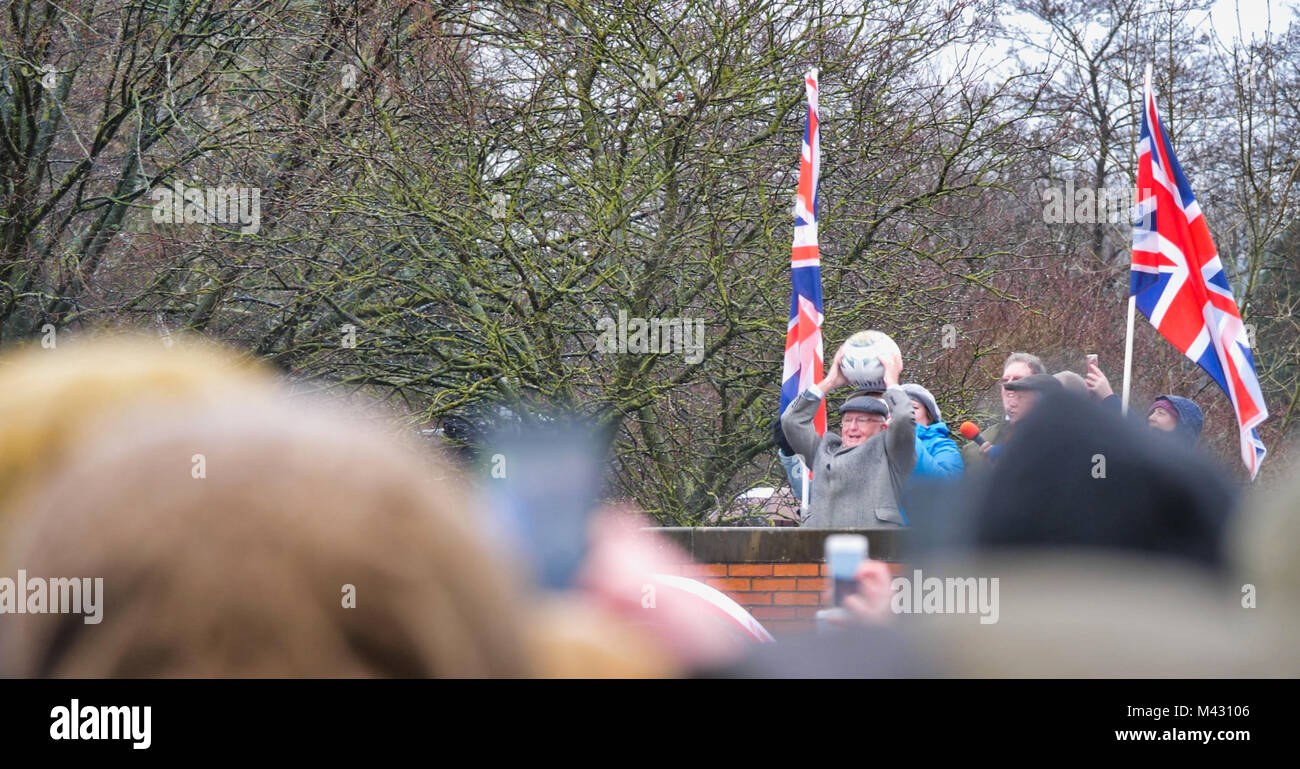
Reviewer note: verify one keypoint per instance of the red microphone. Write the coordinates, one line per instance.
(970, 432)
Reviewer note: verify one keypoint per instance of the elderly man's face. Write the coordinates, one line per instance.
(1011, 373)
(857, 426)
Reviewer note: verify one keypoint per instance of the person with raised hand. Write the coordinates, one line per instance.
(857, 473)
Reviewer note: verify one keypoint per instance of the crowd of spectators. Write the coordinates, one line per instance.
(859, 474)
(242, 529)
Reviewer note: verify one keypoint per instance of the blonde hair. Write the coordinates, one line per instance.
(231, 526)
(51, 400)
(247, 568)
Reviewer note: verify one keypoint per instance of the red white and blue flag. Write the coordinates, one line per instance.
(803, 338)
(1179, 284)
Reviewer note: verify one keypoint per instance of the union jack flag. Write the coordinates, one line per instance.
(803, 337)
(1179, 284)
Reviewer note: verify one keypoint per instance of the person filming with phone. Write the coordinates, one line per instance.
(1179, 417)
(857, 473)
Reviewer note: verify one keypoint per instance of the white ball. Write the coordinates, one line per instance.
(861, 362)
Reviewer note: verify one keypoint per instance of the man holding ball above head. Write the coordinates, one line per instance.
(858, 474)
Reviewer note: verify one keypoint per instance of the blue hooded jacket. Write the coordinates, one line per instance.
(1190, 417)
(937, 455)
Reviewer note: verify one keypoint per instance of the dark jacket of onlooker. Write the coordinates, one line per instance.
(789, 459)
(997, 434)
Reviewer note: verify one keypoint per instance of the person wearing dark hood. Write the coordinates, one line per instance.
(1168, 413)
(1177, 415)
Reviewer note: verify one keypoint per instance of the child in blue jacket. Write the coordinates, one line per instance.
(937, 455)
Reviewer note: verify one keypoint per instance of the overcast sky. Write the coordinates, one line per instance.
(1253, 15)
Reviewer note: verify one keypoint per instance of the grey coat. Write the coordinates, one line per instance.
(854, 487)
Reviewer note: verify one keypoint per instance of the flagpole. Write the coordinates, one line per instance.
(1132, 300)
(1128, 354)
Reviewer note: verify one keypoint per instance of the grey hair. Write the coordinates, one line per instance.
(1072, 382)
(1034, 363)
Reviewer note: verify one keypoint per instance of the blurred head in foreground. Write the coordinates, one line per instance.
(237, 533)
(1266, 550)
(1109, 544)
(1079, 476)
(231, 531)
(52, 400)
(1072, 382)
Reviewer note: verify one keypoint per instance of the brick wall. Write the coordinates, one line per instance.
(777, 574)
(783, 596)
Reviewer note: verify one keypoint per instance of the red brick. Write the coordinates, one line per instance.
(750, 570)
(751, 599)
(795, 570)
(820, 583)
(776, 612)
(825, 570)
(775, 584)
(704, 570)
(729, 583)
(796, 599)
(807, 612)
(788, 627)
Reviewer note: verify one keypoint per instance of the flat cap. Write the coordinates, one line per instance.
(865, 403)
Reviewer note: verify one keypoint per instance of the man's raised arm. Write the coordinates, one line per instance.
(799, 416)
(900, 438)
(797, 423)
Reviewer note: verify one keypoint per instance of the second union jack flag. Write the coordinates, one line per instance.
(1179, 283)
